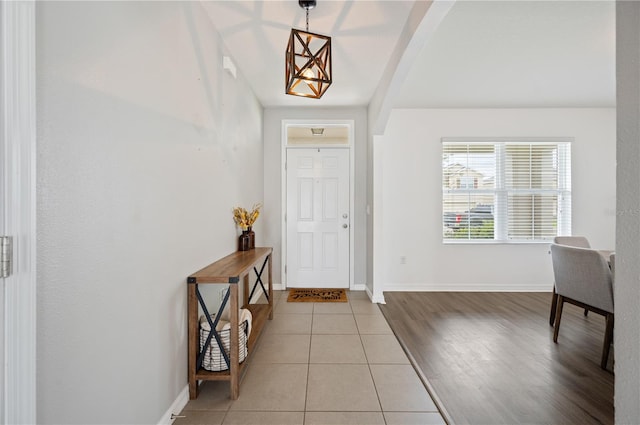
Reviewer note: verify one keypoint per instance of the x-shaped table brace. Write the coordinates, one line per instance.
(214, 322)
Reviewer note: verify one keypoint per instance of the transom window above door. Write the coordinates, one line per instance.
(320, 134)
(516, 190)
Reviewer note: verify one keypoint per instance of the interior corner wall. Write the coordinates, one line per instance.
(369, 247)
(627, 278)
(144, 146)
(376, 244)
(412, 197)
(273, 118)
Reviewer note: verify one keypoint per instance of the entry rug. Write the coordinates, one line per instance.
(317, 295)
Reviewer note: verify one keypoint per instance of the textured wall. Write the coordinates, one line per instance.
(144, 146)
(627, 287)
(412, 194)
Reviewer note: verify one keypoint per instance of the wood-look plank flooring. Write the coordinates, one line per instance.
(490, 357)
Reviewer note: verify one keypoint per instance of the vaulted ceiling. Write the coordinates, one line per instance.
(482, 54)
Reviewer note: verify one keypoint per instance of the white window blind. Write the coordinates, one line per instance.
(507, 190)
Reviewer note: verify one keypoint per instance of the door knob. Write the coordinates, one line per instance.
(345, 226)
(344, 215)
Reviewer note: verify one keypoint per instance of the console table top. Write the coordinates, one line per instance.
(230, 268)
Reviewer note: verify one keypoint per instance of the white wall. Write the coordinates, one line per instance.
(145, 144)
(412, 197)
(627, 287)
(273, 118)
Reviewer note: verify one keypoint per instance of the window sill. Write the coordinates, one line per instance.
(494, 242)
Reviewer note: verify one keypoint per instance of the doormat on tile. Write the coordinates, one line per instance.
(297, 295)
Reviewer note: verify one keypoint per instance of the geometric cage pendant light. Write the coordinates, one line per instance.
(307, 60)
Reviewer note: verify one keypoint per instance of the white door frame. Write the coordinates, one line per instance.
(18, 146)
(283, 179)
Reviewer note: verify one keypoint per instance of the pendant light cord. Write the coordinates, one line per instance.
(307, 18)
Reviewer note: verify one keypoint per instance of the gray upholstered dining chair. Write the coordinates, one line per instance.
(583, 278)
(579, 241)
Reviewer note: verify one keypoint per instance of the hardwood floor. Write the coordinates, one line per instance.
(490, 357)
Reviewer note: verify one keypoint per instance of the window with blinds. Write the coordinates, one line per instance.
(506, 190)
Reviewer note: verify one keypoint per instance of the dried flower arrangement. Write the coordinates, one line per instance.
(245, 219)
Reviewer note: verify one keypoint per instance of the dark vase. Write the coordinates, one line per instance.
(252, 238)
(243, 241)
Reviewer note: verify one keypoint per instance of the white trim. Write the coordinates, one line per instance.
(376, 298)
(176, 407)
(468, 287)
(283, 188)
(358, 287)
(18, 104)
(283, 202)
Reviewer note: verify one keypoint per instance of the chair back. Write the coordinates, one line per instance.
(579, 241)
(582, 274)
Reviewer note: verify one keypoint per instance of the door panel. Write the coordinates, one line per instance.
(318, 218)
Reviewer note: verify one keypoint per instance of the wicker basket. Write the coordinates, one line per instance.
(213, 359)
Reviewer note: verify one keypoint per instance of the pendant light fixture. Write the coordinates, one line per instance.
(308, 60)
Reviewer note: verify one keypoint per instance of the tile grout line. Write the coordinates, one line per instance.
(375, 387)
(309, 351)
(306, 391)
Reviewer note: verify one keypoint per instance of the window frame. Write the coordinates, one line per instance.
(501, 193)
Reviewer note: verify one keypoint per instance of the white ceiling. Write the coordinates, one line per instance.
(484, 53)
(363, 35)
(517, 54)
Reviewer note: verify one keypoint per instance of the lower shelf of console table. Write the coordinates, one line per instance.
(257, 311)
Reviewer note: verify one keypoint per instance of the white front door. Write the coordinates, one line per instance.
(318, 218)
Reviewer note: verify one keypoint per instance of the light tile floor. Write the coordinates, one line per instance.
(321, 363)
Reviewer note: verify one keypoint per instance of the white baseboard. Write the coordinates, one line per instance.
(358, 287)
(467, 287)
(176, 407)
(373, 298)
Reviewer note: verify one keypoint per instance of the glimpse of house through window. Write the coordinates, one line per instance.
(506, 190)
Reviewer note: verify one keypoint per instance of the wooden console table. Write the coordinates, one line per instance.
(228, 270)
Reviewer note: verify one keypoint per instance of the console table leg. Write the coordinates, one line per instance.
(234, 367)
(270, 288)
(193, 343)
(246, 298)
